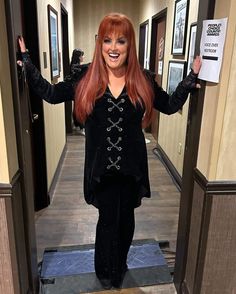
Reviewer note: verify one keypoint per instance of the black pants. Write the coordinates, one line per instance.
(115, 228)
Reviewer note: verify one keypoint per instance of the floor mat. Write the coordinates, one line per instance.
(71, 269)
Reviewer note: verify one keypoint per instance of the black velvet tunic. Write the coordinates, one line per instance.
(114, 142)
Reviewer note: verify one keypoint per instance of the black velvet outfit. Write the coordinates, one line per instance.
(116, 170)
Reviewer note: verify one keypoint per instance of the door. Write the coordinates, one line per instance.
(66, 65)
(41, 197)
(23, 121)
(160, 45)
(157, 58)
(143, 45)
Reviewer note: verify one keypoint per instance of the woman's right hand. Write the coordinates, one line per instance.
(22, 44)
(22, 48)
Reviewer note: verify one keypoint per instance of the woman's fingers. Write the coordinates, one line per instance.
(197, 64)
(22, 44)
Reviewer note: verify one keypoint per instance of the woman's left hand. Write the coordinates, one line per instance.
(197, 63)
(196, 66)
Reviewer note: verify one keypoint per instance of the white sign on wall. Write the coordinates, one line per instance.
(211, 48)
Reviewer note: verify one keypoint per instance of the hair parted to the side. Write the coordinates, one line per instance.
(94, 83)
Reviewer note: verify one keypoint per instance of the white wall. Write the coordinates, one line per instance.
(54, 115)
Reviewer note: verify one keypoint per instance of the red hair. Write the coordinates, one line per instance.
(94, 83)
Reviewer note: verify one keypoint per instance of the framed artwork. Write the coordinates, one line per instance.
(176, 73)
(180, 27)
(53, 42)
(191, 47)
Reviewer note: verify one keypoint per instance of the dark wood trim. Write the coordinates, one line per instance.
(205, 11)
(6, 189)
(160, 153)
(56, 175)
(214, 187)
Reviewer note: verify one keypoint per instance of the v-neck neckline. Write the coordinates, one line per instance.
(116, 98)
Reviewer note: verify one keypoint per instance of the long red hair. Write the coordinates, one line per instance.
(94, 83)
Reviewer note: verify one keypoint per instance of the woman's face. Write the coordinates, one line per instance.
(115, 51)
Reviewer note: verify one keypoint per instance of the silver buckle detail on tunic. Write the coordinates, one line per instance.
(114, 163)
(115, 124)
(115, 104)
(114, 145)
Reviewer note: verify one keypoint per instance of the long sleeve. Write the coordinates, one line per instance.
(57, 93)
(170, 104)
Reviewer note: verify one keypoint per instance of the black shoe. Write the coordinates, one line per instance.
(117, 281)
(106, 283)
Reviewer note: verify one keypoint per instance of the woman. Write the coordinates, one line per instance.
(114, 98)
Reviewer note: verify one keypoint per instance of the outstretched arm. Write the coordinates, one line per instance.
(60, 92)
(170, 104)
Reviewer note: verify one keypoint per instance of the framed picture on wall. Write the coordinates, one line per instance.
(191, 47)
(53, 42)
(180, 27)
(176, 73)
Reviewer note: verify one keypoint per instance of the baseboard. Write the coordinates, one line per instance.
(160, 153)
(56, 175)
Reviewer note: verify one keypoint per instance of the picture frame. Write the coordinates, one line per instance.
(191, 46)
(176, 73)
(53, 42)
(180, 27)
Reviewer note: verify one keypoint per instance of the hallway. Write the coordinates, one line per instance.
(70, 221)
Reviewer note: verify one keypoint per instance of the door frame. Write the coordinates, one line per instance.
(196, 102)
(23, 210)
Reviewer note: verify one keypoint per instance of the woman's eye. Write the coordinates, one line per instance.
(106, 41)
(122, 41)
